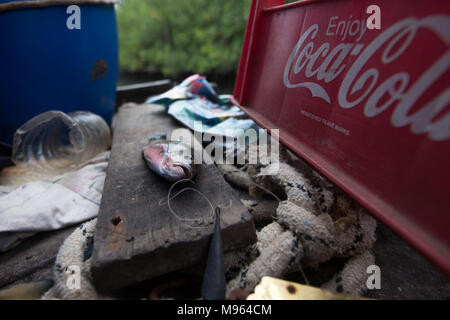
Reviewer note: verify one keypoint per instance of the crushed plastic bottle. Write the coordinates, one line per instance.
(57, 142)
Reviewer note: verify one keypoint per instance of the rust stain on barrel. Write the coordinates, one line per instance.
(99, 69)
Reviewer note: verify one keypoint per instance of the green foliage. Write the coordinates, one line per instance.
(181, 36)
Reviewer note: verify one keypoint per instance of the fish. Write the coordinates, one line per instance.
(170, 159)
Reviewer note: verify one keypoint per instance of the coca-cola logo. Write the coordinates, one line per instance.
(324, 64)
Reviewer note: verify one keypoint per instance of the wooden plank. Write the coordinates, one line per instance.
(33, 259)
(136, 238)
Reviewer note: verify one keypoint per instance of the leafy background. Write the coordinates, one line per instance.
(174, 38)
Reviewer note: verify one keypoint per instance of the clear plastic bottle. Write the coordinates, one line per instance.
(56, 142)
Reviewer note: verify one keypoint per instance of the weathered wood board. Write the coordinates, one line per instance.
(33, 259)
(136, 237)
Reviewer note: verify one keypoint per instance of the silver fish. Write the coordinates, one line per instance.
(172, 160)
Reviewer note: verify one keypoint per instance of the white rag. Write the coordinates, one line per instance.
(51, 204)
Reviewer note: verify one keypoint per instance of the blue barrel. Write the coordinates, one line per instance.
(44, 65)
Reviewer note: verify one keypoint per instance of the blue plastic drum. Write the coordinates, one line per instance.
(48, 63)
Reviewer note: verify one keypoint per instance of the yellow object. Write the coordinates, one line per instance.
(276, 289)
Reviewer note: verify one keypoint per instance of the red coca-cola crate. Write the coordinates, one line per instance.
(368, 108)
